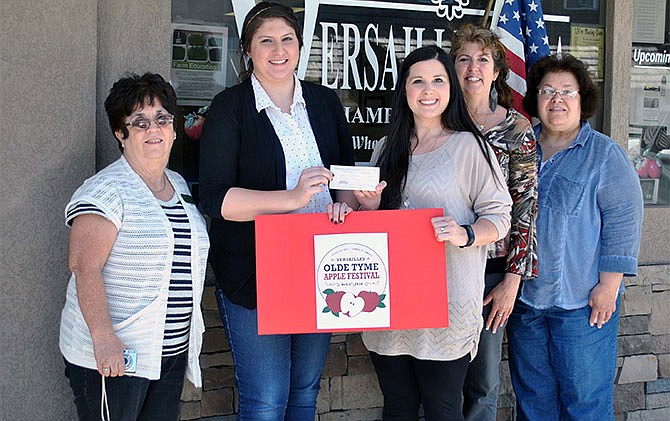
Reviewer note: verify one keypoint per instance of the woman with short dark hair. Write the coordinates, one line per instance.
(132, 326)
(563, 330)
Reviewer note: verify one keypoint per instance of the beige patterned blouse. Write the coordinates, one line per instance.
(455, 177)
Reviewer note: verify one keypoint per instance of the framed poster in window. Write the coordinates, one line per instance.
(199, 55)
(649, 21)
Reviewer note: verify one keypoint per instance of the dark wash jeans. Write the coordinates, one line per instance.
(129, 398)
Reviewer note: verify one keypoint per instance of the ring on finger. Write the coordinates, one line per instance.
(443, 229)
(500, 314)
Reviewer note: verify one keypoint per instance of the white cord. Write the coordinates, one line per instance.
(104, 408)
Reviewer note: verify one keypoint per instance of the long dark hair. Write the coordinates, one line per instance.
(394, 158)
(254, 19)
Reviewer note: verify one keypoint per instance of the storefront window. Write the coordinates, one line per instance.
(355, 47)
(649, 143)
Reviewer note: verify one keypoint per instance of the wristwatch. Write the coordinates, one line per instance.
(471, 236)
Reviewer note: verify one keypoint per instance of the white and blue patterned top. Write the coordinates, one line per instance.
(137, 272)
(297, 140)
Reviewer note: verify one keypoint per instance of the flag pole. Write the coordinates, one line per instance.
(485, 18)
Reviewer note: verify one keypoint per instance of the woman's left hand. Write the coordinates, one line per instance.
(448, 230)
(108, 352)
(603, 303)
(370, 200)
(338, 211)
(502, 299)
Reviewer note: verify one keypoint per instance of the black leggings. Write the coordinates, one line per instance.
(408, 382)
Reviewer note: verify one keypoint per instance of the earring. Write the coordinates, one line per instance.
(493, 97)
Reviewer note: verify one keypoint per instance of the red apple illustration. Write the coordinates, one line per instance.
(333, 300)
(193, 126)
(371, 300)
(351, 305)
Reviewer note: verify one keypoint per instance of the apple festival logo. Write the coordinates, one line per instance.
(352, 279)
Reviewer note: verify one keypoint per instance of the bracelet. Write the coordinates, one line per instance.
(471, 236)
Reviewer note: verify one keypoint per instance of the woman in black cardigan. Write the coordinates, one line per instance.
(265, 149)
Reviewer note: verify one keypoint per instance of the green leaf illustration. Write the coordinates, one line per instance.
(328, 291)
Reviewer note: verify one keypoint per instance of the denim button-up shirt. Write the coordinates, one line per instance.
(589, 220)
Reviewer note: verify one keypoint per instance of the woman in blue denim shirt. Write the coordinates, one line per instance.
(563, 330)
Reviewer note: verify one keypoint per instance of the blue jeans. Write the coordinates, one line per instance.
(129, 398)
(277, 376)
(562, 368)
(482, 381)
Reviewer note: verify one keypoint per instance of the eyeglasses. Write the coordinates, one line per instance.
(549, 92)
(161, 120)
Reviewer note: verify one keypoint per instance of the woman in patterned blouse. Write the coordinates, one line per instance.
(482, 71)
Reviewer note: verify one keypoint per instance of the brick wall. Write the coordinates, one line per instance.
(349, 389)
(642, 389)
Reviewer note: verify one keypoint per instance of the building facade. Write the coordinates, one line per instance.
(59, 59)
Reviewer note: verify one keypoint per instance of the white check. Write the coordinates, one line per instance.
(354, 178)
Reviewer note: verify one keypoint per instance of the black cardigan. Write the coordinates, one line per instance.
(239, 148)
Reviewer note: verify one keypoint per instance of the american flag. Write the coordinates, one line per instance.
(520, 26)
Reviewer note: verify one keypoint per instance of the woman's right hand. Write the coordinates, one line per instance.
(312, 181)
(108, 350)
(370, 200)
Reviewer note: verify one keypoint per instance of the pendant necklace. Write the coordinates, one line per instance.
(484, 124)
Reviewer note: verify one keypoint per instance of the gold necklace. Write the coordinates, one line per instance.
(434, 145)
(483, 125)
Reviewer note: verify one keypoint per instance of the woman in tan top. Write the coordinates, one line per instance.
(434, 156)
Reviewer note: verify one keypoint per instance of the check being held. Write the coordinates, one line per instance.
(347, 177)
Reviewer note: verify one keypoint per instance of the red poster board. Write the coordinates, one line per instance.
(285, 269)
